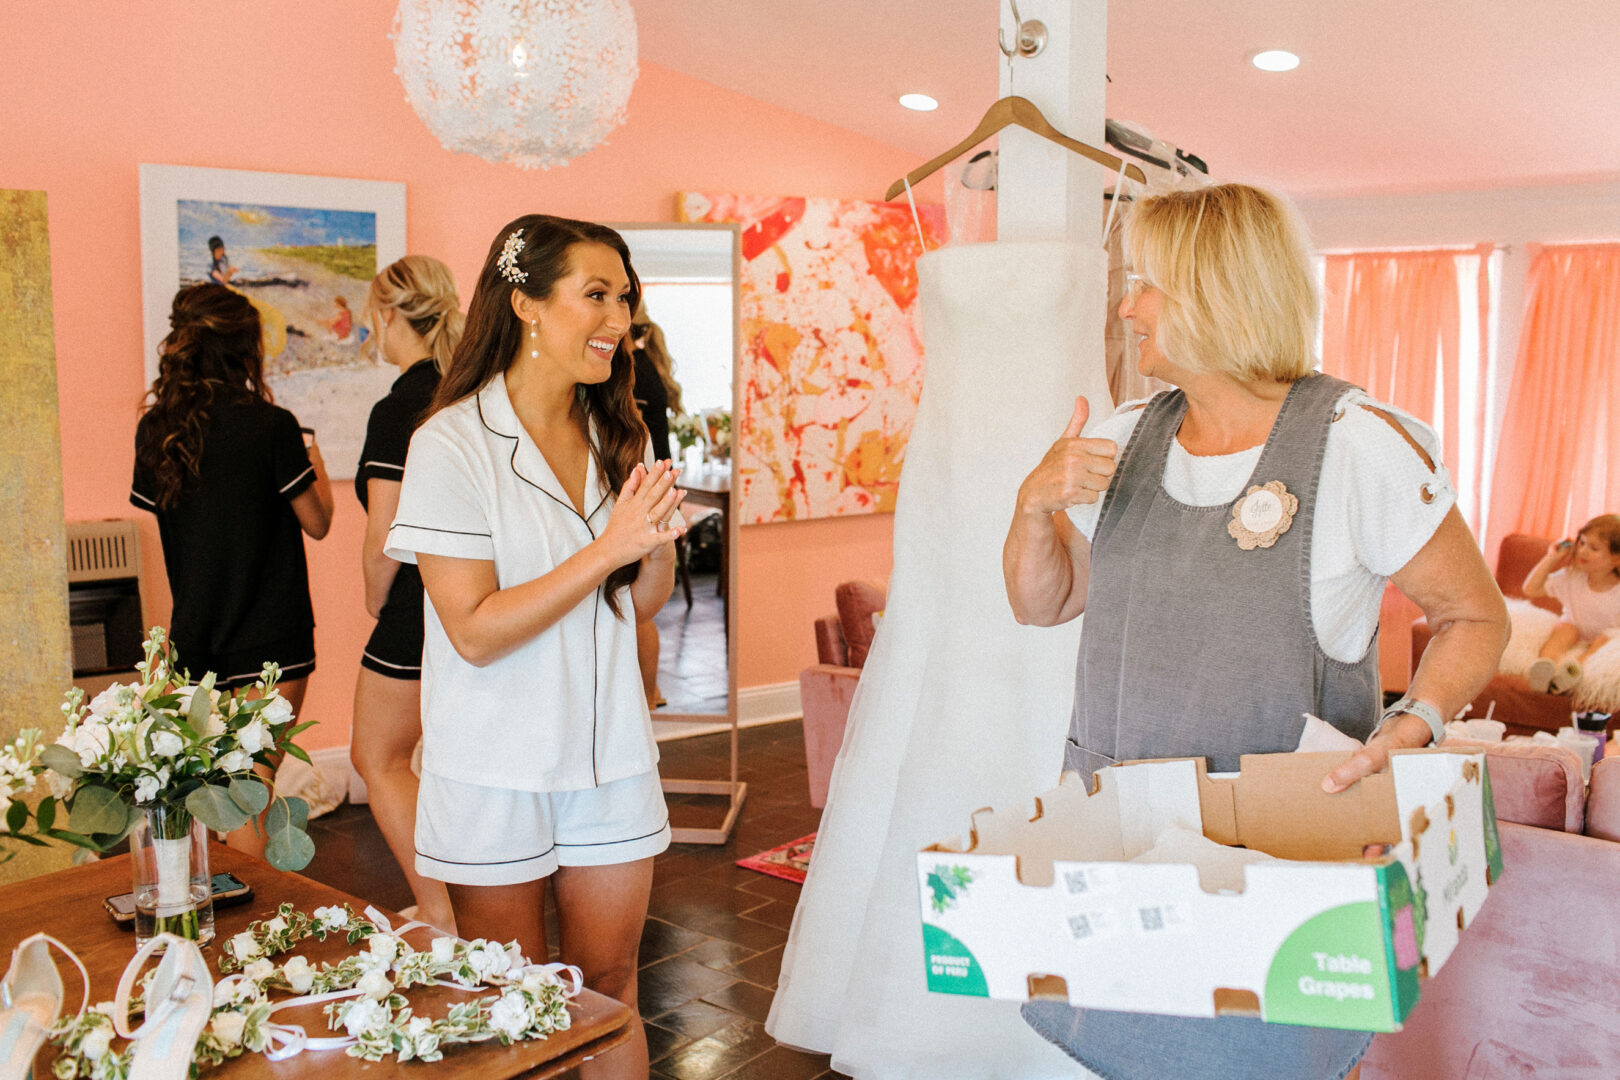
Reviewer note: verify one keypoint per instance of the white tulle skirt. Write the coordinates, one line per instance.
(958, 707)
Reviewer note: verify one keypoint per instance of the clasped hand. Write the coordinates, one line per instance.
(640, 522)
(1074, 471)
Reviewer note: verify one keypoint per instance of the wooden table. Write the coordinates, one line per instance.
(708, 488)
(67, 905)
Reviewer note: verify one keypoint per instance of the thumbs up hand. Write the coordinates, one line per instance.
(1074, 471)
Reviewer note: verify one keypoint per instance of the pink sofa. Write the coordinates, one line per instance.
(1533, 989)
(826, 690)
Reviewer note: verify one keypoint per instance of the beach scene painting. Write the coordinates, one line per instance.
(306, 260)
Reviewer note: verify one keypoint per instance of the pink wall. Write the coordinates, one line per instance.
(307, 87)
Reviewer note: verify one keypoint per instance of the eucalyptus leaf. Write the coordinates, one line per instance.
(288, 846)
(98, 810)
(44, 814)
(250, 795)
(290, 850)
(59, 759)
(213, 806)
(202, 703)
(16, 817)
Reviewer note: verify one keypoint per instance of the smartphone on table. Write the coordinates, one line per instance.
(228, 890)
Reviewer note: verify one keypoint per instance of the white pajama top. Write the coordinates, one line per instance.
(565, 710)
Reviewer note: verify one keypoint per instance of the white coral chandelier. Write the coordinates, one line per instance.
(533, 83)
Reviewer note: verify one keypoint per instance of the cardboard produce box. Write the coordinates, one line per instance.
(1053, 906)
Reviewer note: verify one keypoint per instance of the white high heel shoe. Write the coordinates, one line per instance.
(30, 1000)
(178, 1007)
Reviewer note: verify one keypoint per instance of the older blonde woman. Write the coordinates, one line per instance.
(1229, 542)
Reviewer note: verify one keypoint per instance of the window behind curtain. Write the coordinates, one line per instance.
(1415, 328)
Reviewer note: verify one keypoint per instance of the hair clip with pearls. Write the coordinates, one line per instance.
(507, 263)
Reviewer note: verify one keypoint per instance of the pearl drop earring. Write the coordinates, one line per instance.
(534, 334)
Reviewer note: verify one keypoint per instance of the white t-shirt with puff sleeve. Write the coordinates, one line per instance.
(565, 710)
(1377, 504)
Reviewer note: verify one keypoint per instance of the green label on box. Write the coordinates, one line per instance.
(1333, 972)
(1493, 842)
(952, 969)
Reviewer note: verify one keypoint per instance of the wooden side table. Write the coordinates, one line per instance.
(67, 905)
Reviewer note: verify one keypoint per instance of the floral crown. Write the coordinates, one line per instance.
(507, 263)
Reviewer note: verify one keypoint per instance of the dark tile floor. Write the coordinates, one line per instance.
(692, 671)
(715, 932)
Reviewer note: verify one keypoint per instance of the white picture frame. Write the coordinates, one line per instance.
(327, 376)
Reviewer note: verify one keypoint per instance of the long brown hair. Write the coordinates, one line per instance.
(494, 333)
(644, 329)
(214, 351)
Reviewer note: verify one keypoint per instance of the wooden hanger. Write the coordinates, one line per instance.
(1006, 112)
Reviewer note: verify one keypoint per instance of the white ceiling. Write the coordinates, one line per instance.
(1391, 96)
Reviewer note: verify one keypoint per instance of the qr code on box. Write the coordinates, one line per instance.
(1153, 919)
(1090, 924)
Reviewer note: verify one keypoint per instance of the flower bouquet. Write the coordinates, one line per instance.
(160, 761)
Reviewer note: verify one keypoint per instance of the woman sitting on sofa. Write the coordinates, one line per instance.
(1582, 575)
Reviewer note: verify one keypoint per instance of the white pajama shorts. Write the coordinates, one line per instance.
(471, 835)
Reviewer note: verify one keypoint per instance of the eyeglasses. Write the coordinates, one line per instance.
(1134, 284)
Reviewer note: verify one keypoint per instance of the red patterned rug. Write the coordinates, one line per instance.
(789, 861)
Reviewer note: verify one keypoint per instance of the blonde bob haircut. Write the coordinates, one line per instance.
(1234, 269)
(422, 289)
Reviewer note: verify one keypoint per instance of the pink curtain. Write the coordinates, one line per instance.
(1558, 461)
(1390, 325)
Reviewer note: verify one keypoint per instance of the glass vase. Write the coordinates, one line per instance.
(168, 855)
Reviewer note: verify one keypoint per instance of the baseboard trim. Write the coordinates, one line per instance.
(768, 703)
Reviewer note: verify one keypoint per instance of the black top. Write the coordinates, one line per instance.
(653, 400)
(231, 543)
(388, 440)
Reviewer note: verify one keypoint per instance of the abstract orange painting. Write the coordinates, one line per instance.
(831, 362)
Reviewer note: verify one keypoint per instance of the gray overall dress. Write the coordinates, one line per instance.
(1194, 647)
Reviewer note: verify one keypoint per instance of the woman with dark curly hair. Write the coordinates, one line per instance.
(544, 529)
(234, 489)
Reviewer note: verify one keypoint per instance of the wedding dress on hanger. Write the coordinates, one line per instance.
(958, 706)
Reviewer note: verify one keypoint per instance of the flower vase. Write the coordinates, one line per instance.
(168, 855)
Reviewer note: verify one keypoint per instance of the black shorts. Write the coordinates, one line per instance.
(242, 667)
(395, 646)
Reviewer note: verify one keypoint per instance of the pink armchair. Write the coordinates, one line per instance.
(826, 690)
(1532, 988)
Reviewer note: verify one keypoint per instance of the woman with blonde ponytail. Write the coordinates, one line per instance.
(416, 321)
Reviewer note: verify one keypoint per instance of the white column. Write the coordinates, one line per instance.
(1044, 191)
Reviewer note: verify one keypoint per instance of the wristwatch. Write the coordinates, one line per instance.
(1423, 711)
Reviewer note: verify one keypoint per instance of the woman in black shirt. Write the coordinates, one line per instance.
(657, 395)
(416, 317)
(234, 489)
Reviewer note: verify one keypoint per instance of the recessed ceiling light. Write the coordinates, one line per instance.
(919, 102)
(1275, 60)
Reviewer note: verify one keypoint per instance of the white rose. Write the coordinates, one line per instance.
(96, 1044)
(299, 974)
(5, 804)
(365, 1016)
(510, 1015)
(166, 744)
(227, 1027)
(515, 960)
(244, 947)
(487, 959)
(107, 702)
(385, 946)
(375, 985)
(90, 741)
(260, 970)
(253, 736)
(333, 918)
(235, 761)
(279, 711)
(443, 949)
(276, 925)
